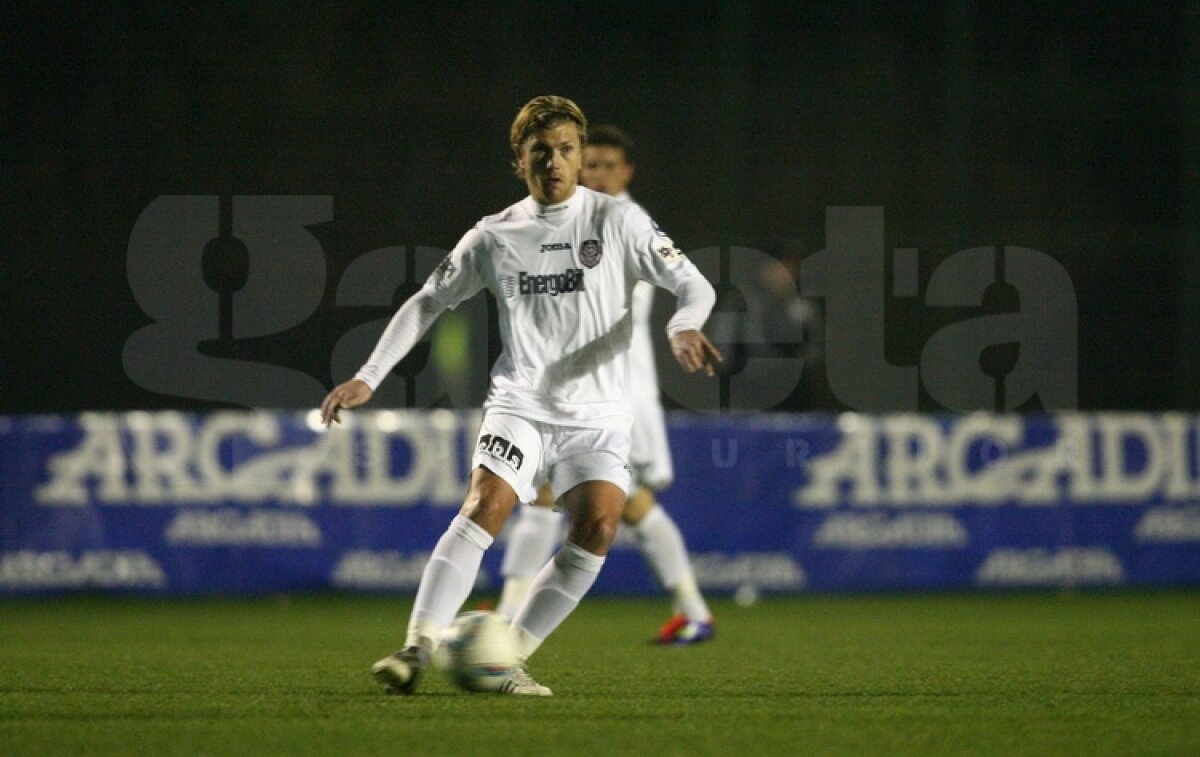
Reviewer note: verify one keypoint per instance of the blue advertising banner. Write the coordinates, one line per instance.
(238, 502)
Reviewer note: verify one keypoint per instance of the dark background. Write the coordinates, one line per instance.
(1073, 129)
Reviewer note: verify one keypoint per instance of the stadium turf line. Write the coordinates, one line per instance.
(1032, 673)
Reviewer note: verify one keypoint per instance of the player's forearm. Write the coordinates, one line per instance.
(696, 298)
(408, 325)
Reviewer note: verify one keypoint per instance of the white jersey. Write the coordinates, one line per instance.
(564, 276)
(644, 387)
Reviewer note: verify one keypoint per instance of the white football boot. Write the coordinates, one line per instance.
(521, 683)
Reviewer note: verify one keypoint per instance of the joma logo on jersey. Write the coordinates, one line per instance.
(553, 284)
(501, 449)
(556, 246)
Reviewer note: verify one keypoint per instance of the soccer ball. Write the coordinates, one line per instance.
(478, 652)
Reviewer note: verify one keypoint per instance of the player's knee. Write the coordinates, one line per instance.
(598, 526)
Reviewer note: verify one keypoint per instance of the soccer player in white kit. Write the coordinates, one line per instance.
(562, 264)
(608, 168)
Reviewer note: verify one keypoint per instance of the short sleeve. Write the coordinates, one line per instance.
(653, 254)
(457, 277)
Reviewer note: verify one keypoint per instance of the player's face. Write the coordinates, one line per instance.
(605, 169)
(550, 160)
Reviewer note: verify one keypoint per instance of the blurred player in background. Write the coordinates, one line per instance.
(608, 168)
(562, 264)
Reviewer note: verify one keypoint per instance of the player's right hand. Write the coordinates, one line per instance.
(350, 394)
(694, 352)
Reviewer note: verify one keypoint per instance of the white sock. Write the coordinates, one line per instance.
(555, 592)
(447, 581)
(512, 595)
(530, 546)
(662, 546)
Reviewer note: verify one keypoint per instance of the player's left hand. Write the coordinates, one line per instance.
(693, 351)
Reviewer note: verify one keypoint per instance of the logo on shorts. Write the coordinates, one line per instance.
(590, 253)
(501, 449)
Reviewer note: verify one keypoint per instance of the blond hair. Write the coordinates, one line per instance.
(542, 113)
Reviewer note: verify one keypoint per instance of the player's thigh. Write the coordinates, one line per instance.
(593, 511)
(589, 471)
(489, 501)
(595, 499)
(580, 455)
(510, 449)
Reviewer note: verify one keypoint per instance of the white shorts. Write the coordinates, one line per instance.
(525, 453)
(649, 452)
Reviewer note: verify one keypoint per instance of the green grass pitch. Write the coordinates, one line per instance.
(1028, 674)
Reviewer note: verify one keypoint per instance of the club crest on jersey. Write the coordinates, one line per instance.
(590, 253)
(501, 449)
(667, 250)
